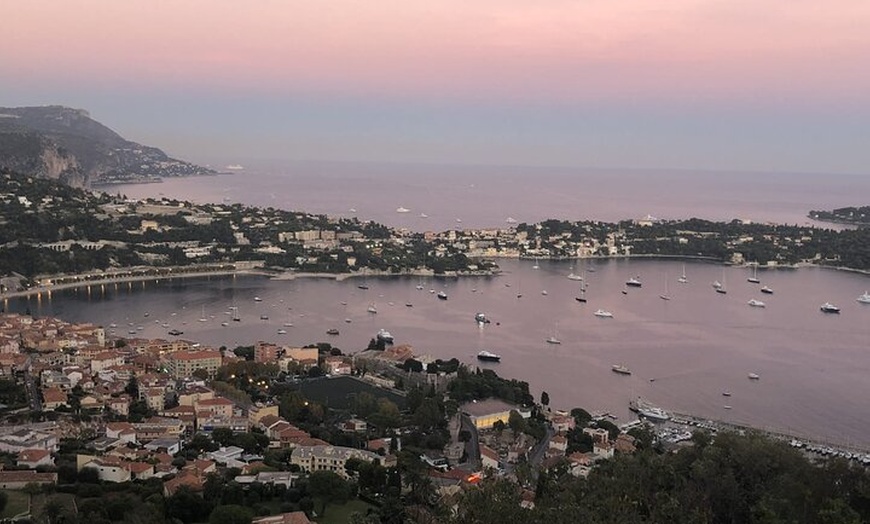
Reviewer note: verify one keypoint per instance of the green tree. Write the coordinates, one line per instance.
(327, 487)
(231, 514)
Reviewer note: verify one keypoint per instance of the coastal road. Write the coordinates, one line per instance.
(536, 455)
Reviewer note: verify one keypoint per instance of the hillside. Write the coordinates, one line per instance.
(67, 144)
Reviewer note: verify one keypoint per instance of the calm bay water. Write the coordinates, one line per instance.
(683, 353)
(813, 366)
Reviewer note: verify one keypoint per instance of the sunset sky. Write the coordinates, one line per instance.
(765, 85)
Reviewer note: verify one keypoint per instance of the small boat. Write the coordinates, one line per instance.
(481, 319)
(408, 304)
(264, 317)
(754, 278)
(574, 276)
(258, 299)
(282, 331)
(487, 356)
(665, 295)
(766, 290)
(511, 220)
(624, 291)
(601, 313)
(553, 340)
(225, 324)
(717, 284)
(620, 369)
(726, 406)
(424, 215)
(348, 321)
(401, 209)
(385, 336)
(372, 309)
(363, 286)
(754, 376)
(442, 295)
(544, 292)
(726, 393)
(332, 331)
(756, 303)
(634, 282)
(865, 298)
(175, 332)
(721, 290)
(683, 279)
(827, 307)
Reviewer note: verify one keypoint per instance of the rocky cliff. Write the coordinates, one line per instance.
(67, 144)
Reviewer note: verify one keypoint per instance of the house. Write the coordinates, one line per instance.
(562, 423)
(559, 443)
(188, 478)
(488, 457)
(140, 470)
(24, 438)
(602, 449)
(33, 458)
(329, 458)
(217, 407)
(20, 479)
(170, 445)
(227, 454)
(109, 469)
(485, 413)
(355, 425)
(53, 398)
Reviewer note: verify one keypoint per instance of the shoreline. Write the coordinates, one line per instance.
(180, 272)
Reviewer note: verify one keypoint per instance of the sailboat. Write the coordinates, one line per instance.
(202, 317)
(683, 279)
(573, 276)
(554, 338)
(721, 287)
(536, 266)
(665, 295)
(235, 311)
(582, 296)
(754, 277)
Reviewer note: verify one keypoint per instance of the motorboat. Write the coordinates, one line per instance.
(648, 411)
(865, 298)
(332, 331)
(401, 209)
(264, 317)
(258, 299)
(827, 307)
(756, 303)
(480, 318)
(282, 331)
(766, 290)
(601, 313)
(442, 295)
(553, 340)
(372, 309)
(633, 282)
(487, 356)
(385, 336)
(620, 369)
(754, 376)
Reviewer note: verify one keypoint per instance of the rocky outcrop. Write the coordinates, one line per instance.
(67, 144)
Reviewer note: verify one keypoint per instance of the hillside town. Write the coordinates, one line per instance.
(83, 406)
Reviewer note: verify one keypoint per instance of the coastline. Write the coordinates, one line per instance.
(182, 272)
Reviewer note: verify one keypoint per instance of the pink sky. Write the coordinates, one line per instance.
(508, 49)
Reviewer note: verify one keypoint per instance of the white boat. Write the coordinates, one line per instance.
(622, 370)
(665, 295)
(634, 282)
(554, 338)
(202, 317)
(683, 279)
(754, 278)
(603, 313)
(536, 266)
(486, 356)
(424, 215)
(544, 292)
(582, 297)
(647, 410)
(282, 331)
(511, 220)
(401, 209)
(827, 307)
(481, 319)
(385, 335)
(574, 276)
(756, 303)
(766, 290)
(234, 167)
(372, 308)
(442, 295)
(754, 376)
(258, 299)
(865, 298)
